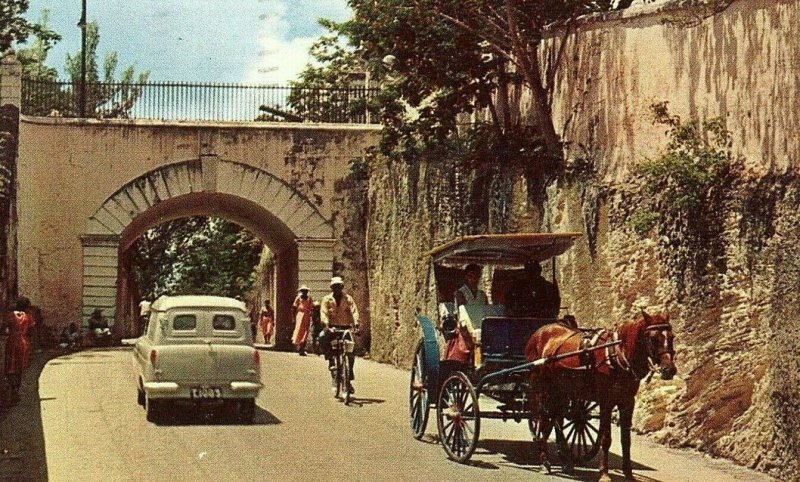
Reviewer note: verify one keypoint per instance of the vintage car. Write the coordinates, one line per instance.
(197, 349)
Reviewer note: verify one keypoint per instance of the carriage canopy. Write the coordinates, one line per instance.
(502, 249)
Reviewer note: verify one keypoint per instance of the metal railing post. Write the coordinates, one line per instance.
(82, 25)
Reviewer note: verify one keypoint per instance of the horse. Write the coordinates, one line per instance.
(609, 376)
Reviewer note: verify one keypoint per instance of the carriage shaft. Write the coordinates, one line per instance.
(539, 362)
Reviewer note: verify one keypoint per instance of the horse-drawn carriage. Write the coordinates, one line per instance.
(496, 382)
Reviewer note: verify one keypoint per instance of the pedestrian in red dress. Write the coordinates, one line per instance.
(19, 324)
(301, 309)
(267, 321)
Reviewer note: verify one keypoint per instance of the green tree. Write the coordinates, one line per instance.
(196, 255)
(13, 25)
(439, 60)
(46, 96)
(334, 88)
(33, 58)
(106, 96)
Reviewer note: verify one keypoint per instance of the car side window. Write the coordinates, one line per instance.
(224, 322)
(184, 322)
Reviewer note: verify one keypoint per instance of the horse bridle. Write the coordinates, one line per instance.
(654, 358)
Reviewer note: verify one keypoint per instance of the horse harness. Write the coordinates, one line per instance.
(615, 358)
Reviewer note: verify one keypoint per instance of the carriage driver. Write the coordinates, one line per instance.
(459, 348)
(534, 296)
(469, 294)
(337, 310)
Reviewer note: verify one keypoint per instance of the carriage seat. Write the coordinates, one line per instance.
(504, 339)
(475, 314)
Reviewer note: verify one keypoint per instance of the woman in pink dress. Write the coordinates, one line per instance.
(267, 321)
(302, 308)
(19, 324)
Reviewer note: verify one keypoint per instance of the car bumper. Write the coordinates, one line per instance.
(235, 389)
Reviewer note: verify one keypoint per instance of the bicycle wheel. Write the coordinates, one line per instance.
(346, 380)
(340, 386)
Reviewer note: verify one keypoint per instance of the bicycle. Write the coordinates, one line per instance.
(342, 344)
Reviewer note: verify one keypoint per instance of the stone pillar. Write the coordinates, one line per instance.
(10, 81)
(315, 262)
(100, 272)
(10, 102)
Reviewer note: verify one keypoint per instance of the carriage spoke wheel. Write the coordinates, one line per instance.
(457, 417)
(581, 430)
(418, 394)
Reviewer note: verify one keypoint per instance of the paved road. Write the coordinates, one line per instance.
(94, 430)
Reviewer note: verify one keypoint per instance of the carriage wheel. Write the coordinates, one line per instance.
(581, 431)
(418, 394)
(457, 417)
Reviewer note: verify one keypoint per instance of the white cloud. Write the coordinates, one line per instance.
(280, 57)
(282, 54)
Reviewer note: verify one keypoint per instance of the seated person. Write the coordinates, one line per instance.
(460, 346)
(70, 336)
(534, 296)
(98, 325)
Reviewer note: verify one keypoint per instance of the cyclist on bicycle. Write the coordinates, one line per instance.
(337, 310)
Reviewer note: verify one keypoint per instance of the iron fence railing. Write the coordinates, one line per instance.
(198, 101)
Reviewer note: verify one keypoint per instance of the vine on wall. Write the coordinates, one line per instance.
(684, 194)
(306, 158)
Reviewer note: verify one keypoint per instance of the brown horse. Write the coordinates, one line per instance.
(607, 376)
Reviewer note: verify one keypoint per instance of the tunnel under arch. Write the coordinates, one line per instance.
(293, 229)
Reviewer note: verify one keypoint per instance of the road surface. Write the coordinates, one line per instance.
(94, 430)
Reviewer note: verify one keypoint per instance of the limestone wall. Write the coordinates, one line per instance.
(743, 65)
(736, 329)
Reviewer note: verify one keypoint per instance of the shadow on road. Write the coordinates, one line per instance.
(22, 451)
(520, 454)
(360, 402)
(189, 414)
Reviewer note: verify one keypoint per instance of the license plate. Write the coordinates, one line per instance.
(205, 392)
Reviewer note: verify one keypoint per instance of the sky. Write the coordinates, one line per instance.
(240, 41)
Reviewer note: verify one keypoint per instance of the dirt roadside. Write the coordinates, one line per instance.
(22, 454)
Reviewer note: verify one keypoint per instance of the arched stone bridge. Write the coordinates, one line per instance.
(88, 189)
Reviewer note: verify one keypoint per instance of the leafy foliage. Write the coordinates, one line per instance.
(108, 96)
(451, 73)
(33, 58)
(684, 194)
(337, 87)
(15, 28)
(697, 158)
(684, 181)
(196, 255)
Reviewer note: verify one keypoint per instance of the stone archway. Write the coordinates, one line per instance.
(287, 222)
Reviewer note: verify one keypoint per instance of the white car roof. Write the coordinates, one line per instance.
(165, 303)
